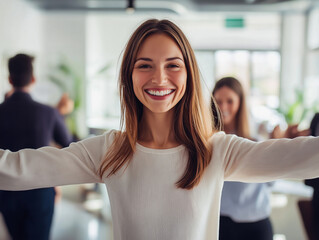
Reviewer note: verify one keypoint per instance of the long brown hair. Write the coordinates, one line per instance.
(241, 121)
(193, 125)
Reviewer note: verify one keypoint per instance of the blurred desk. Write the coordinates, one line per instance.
(297, 188)
(285, 216)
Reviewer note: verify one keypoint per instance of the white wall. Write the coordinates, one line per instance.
(20, 31)
(313, 27)
(63, 36)
(311, 76)
(260, 31)
(292, 55)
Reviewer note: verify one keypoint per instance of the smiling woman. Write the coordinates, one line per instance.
(162, 122)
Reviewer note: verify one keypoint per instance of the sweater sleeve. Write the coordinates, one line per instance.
(247, 161)
(49, 166)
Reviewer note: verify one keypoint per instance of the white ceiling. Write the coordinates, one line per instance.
(177, 6)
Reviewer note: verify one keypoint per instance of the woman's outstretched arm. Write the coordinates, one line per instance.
(248, 161)
(49, 166)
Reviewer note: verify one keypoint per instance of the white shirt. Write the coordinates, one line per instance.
(245, 202)
(145, 202)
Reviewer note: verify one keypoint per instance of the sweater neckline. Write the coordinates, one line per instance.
(159, 151)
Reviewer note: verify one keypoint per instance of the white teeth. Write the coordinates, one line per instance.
(159, 93)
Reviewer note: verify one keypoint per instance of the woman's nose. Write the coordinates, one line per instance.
(222, 106)
(160, 76)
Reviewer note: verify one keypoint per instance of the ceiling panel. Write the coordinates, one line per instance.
(245, 2)
(176, 6)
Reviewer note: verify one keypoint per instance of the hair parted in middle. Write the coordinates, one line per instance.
(193, 125)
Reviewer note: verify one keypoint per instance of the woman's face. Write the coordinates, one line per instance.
(228, 101)
(159, 74)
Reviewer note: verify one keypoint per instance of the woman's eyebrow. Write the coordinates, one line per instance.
(167, 59)
(174, 58)
(143, 59)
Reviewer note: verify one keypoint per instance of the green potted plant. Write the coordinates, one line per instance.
(70, 81)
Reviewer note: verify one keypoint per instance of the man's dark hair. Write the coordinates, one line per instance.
(20, 70)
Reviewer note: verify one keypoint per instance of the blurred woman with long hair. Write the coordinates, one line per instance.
(245, 207)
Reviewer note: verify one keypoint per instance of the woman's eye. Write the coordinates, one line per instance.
(144, 66)
(173, 67)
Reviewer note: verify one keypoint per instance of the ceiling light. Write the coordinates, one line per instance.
(130, 6)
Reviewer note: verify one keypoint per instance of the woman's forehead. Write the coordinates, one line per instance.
(161, 44)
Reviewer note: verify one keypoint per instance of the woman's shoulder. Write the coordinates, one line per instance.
(110, 134)
(218, 139)
(105, 139)
(223, 140)
(221, 136)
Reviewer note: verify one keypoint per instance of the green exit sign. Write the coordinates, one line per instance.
(234, 22)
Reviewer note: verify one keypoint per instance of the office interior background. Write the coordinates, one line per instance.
(272, 46)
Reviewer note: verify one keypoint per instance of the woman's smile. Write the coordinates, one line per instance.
(159, 92)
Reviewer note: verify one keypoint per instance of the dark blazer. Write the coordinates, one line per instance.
(314, 125)
(25, 123)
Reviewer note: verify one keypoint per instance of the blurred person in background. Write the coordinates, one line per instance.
(245, 207)
(313, 223)
(25, 123)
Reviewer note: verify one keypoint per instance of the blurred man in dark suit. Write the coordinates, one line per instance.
(25, 123)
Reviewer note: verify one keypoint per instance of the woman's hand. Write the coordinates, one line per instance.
(291, 132)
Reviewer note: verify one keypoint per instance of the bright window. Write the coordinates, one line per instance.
(259, 73)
